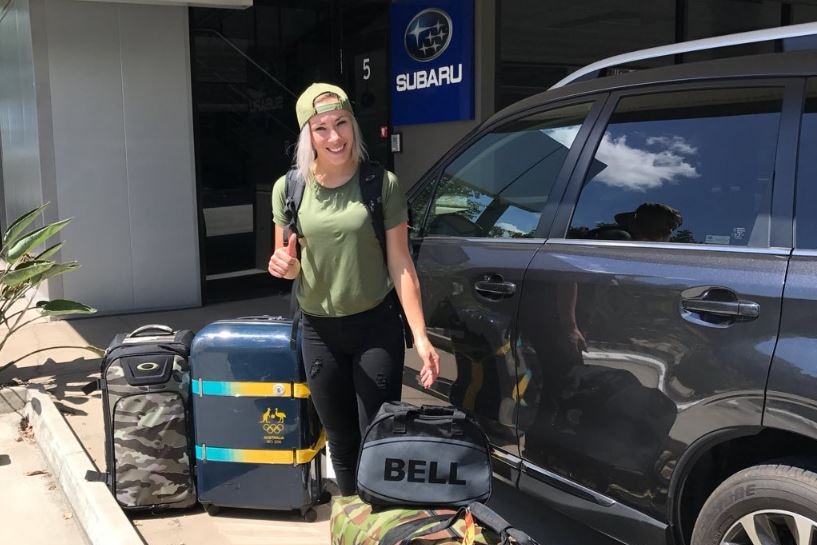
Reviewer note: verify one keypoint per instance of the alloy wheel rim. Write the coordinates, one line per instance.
(771, 527)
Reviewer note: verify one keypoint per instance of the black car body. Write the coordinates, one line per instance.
(625, 370)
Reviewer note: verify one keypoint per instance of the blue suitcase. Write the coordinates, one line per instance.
(258, 439)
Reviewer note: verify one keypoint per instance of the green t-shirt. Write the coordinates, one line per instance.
(342, 266)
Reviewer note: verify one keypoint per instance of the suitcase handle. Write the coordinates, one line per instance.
(407, 413)
(428, 411)
(436, 410)
(145, 329)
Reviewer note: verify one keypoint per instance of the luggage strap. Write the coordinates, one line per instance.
(404, 534)
(399, 533)
(207, 453)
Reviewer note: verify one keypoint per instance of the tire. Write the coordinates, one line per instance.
(771, 500)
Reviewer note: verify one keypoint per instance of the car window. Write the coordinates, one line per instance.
(806, 209)
(418, 205)
(498, 187)
(688, 167)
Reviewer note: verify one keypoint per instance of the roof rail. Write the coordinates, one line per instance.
(754, 36)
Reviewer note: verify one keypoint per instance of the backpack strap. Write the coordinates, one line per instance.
(294, 193)
(371, 192)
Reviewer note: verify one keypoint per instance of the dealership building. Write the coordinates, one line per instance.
(160, 126)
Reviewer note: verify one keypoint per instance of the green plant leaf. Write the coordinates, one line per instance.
(59, 307)
(16, 229)
(48, 252)
(25, 272)
(34, 239)
(57, 269)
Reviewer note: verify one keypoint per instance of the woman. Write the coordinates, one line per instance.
(353, 343)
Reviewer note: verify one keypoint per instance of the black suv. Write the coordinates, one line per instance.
(620, 275)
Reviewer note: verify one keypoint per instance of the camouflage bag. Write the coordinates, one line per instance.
(355, 522)
(145, 383)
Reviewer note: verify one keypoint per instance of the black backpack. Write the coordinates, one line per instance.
(371, 192)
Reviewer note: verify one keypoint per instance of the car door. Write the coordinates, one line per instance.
(649, 317)
(476, 226)
(791, 401)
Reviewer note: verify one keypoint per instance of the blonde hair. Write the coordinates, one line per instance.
(305, 154)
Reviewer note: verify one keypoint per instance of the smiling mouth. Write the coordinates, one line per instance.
(338, 149)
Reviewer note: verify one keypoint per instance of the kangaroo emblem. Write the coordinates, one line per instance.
(280, 415)
(266, 416)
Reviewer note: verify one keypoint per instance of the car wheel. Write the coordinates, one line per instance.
(762, 505)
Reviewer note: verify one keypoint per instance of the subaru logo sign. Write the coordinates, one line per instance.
(428, 34)
(432, 67)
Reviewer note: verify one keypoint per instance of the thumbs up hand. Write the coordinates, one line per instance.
(284, 262)
(292, 245)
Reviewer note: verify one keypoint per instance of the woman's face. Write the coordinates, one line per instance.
(332, 136)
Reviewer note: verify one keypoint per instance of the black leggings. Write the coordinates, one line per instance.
(353, 364)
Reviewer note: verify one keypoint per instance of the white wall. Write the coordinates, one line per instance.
(22, 185)
(424, 144)
(120, 108)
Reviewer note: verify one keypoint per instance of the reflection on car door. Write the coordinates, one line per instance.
(480, 220)
(658, 291)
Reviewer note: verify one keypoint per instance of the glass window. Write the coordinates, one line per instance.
(498, 187)
(692, 167)
(806, 209)
(418, 204)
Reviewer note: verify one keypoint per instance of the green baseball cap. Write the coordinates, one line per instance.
(305, 106)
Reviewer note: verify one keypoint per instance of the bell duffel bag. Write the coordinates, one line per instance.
(423, 456)
(145, 383)
(258, 438)
(355, 522)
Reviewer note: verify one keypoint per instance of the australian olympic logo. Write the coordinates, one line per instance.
(273, 428)
(428, 34)
(272, 422)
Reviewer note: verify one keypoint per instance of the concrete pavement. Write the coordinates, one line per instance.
(33, 509)
(63, 372)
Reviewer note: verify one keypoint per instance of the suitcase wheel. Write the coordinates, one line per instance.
(310, 515)
(325, 497)
(211, 509)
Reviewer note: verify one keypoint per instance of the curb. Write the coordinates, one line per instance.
(13, 399)
(95, 509)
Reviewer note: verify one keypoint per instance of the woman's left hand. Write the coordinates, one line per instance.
(431, 361)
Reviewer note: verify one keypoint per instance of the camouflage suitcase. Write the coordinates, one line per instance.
(355, 522)
(145, 383)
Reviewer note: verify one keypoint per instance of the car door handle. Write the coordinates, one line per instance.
(494, 285)
(741, 308)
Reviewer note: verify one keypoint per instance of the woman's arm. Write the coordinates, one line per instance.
(284, 260)
(404, 277)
